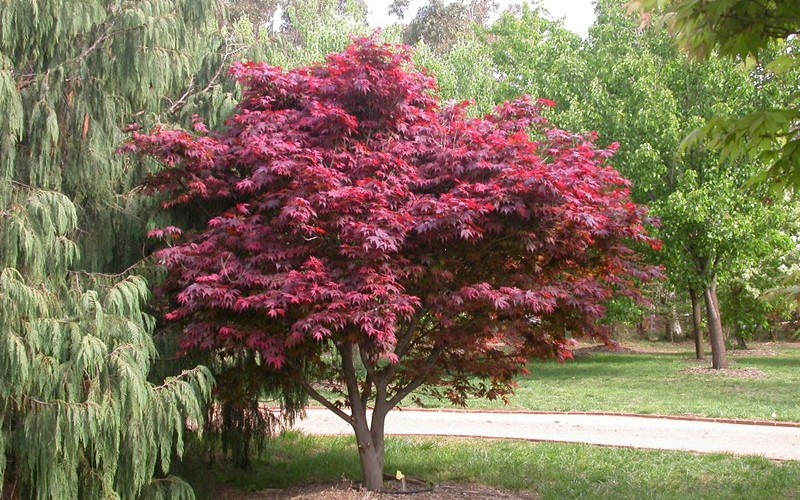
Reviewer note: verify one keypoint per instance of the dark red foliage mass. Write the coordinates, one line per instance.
(343, 203)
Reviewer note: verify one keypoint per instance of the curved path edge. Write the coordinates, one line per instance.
(773, 440)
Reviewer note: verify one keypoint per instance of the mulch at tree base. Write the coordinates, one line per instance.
(345, 491)
(743, 373)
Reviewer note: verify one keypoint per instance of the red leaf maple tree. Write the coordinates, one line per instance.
(364, 238)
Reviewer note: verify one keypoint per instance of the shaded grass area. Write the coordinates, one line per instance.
(655, 384)
(550, 470)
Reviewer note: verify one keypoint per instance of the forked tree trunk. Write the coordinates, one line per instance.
(369, 435)
(369, 430)
(719, 357)
(697, 321)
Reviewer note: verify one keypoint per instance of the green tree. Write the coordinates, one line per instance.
(631, 84)
(752, 32)
(710, 228)
(79, 417)
(715, 233)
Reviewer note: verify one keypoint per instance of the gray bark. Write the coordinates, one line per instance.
(697, 320)
(719, 356)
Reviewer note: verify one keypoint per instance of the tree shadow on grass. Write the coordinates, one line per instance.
(291, 459)
(604, 364)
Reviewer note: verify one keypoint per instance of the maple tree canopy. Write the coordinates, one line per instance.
(343, 202)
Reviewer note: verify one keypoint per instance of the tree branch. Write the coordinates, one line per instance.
(319, 398)
(420, 378)
(366, 391)
(230, 51)
(403, 344)
(372, 377)
(349, 370)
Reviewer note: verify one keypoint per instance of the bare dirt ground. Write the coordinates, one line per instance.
(743, 373)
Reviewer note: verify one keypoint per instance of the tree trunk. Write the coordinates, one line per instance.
(697, 320)
(740, 342)
(739, 336)
(669, 335)
(371, 451)
(673, 321)
(369, 438)
(370, 434)
(719, 357)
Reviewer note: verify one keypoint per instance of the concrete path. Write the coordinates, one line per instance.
(771, 441)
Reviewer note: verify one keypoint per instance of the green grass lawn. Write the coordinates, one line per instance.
(658, 384)
(549, 470)
(655, 383)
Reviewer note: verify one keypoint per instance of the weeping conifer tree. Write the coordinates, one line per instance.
(80, 413)
(79, 417)
(73, 73)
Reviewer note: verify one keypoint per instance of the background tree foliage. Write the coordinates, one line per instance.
(440, 24)
(762, 33)
(632, 85)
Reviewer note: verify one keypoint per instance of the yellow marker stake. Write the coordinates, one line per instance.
(402, 478)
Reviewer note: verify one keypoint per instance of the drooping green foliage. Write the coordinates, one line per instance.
(70, 82)
(78, 416)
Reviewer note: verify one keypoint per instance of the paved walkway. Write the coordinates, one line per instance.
(771, 441)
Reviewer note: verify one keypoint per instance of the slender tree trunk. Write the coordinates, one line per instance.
(719, 357)
(739, 336)
(673, 320)
(370, 450)
(669, 335)
(697, 320)
(640, 330)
